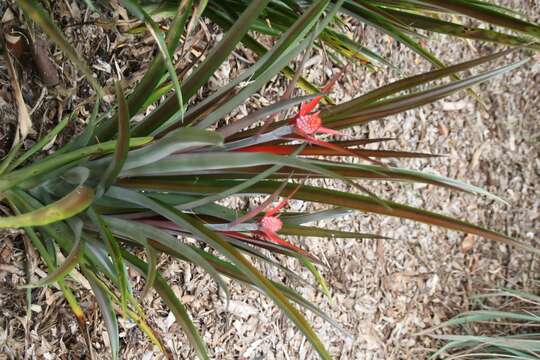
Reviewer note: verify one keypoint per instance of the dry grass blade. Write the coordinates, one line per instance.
(513, 328)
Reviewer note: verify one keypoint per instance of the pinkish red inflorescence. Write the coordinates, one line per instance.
(271, 223)
(308, 124)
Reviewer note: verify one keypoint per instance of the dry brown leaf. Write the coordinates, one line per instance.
(8, 16)
(16, 44)
(24, 126)
(468, 243)
(45, 67)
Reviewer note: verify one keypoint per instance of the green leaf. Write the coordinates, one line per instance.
(351, 49)
(107, 311)
(203, 72)
(173, 303)
(314, 231)
(64, 236)
(263, 113)
(152, 269)
(152, 75)
(389, 27)
(452, 29)
(54, 162)
(68, 294)
(262, 51)
(235, 189)
(122, 144)
(42, 142)
(487, 14)
(395, 105)
(230, 270)
(176, 141)
(147, 235)
(79, 314)
(86, 135)
(195, 163)
(140, 95)
(407, 84)
(202, 163)
(320, 279)
(135, 9)
(58, 274)
(336, 198)
(213, 239)
(8, 159)
(227, 44)
(278, 58)
(70, 205)
(308, 217)
(400, 174)
(115, 252)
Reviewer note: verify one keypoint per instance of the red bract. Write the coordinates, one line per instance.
(306, 124)
(270, 224)
(310, 124)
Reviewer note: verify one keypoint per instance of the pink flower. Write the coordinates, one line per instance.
(308, 125)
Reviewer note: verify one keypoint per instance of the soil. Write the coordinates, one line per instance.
(383, 291)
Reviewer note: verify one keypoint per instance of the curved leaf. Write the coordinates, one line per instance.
(70, 205)
(54, 162)
(63, 270)
(175, 141)
(203, 72)
(487, 14)
(42, 142)
(135, 9)
(147, 235)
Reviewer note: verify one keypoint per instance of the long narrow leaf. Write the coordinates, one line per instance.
(116, 255)
(122, 144)
(337, 198)
(72, 260)
(42, 142)
(214, 240)
(486, 14)
(174, 304)
(52, 163)
(203, 72)
(107, 311)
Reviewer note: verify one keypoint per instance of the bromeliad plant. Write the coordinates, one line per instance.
(121, 185)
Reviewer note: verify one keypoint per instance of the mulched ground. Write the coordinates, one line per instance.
(383, 292)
